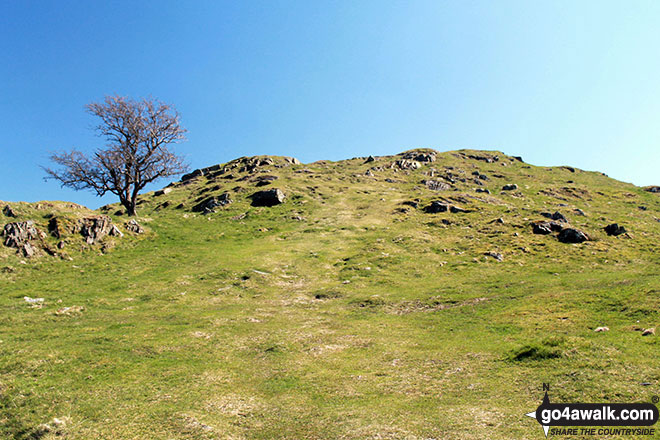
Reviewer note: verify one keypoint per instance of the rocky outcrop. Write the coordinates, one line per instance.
(95, 228)
(19, 235)
(419, 156)
(653, 189)
(269, 197)
(405, 164)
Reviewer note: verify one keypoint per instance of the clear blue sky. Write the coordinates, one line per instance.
(559, 82)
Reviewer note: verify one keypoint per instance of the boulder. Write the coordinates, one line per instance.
(436, 207)
(614, 229)
(653, 189)
(208, 206)
(8, 212)
(269, 197)
(162, 192)
(406, 164)
(555, 216)
(572, 235)
(545, 228)
(292, 160)
(264, 180)
(369, 159)
(510, 187)
(435, 185)
(134, 226)
(192, 175)
(482, 190)
(456, 209)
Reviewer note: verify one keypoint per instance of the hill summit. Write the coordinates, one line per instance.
(420, 295)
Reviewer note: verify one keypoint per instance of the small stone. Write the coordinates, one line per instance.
(602, 329)
(649, 332)
(163, 191)
(134, 226)
(496, 255)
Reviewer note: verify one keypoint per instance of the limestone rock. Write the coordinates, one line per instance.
(18, 233)
(95, 228)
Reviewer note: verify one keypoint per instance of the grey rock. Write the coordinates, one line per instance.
(482, 190)
(192, 175)
(496, 255)
(614, 229)
(162, 192)
(545, 228)
(264, 180)
(510, 187)
(114, 232)
(292, 160)
(572, 235)
(269, 197)
(208, 206)
(436, 207)
(436, 185)
(456, 209)
(555, 216)
(18, 233)
(95, 228)
(8, 212)
(134, 226)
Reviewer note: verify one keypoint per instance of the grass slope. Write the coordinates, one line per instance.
(341, 313)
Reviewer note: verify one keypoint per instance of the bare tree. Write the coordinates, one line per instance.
(136, 154)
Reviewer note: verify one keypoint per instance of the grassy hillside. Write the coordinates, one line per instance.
(346, 312)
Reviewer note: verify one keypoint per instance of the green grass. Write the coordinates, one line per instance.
(351, 321)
